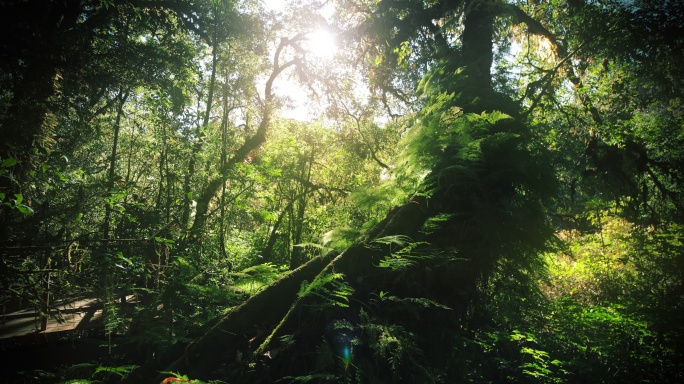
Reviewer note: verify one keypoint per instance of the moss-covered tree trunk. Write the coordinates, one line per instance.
(244, 332)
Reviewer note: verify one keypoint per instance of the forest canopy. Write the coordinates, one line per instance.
(433, 191)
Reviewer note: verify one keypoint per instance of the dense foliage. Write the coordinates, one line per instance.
(488, 191)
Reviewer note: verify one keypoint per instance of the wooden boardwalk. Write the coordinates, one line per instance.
(68, 315)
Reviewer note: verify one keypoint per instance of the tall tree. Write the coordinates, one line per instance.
(250, 144)
(61, 62)
(479, 183)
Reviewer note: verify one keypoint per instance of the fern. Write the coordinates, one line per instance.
(398, 240)
(331, 287)
(397, 263)
(414, 253)
(122, 370)
(95, 372)
(379, 198)
(253, 279)
(287, 341)
(340, 238)
(391, 343)
(434, 223)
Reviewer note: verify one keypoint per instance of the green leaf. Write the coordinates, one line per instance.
(123, 258)
(163, 240)
(8, 162)
(120, 370)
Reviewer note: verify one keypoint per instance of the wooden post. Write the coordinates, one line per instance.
(45, 311)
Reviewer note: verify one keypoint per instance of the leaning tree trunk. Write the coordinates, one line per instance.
(246, 331)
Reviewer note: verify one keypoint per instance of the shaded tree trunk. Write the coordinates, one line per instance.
(111, 174)
(297, 256)
(267, 251)
(197, 148)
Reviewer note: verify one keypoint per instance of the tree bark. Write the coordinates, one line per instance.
(122, 97)
(197, 148)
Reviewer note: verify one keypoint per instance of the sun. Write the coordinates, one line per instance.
(321, 43)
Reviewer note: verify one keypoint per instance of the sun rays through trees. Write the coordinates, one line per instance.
(358, 191)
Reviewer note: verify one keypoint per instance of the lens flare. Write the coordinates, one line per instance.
(346, 355)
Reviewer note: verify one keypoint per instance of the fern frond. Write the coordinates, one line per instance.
(399, 240)
(397, 263)
(120, 370)
(330, 287)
